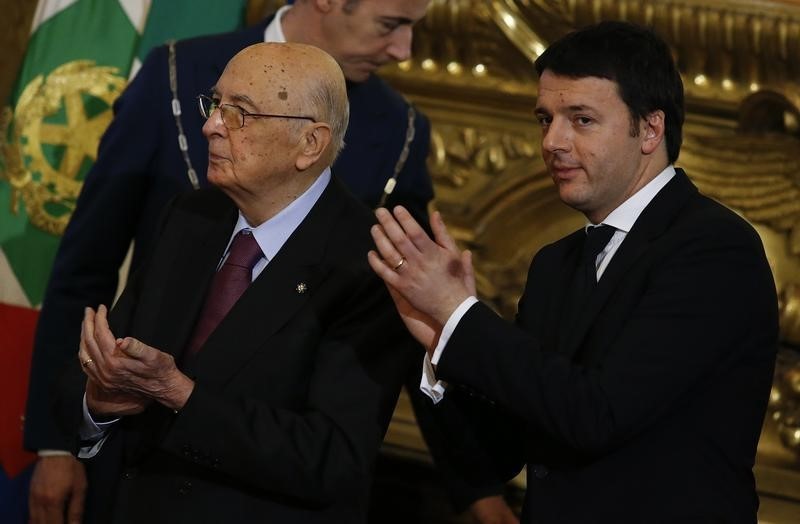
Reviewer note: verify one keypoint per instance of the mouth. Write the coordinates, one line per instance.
(213, 158)
(560, 171)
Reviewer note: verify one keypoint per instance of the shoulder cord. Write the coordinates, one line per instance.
(401, 160)
(176, 112)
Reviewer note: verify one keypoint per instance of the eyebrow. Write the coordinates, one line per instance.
(572, 109)
(236, 98)
(580, 107)
(400, 20)
(244, 99)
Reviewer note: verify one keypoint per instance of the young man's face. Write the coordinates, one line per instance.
(587, 143)
(370, 33)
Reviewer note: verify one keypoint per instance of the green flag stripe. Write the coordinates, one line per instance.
(177, 19)
(89, 29)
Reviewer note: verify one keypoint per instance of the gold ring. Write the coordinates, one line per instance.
(400, 264)
(86, 362)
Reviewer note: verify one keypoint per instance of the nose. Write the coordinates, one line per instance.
(400, 46)
(214, 125)
(556, 136)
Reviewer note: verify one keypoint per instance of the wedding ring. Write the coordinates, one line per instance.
(86, 362)
(400, 264)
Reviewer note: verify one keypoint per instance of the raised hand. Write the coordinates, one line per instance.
(99, 356)
(126, 374)
(432, 275)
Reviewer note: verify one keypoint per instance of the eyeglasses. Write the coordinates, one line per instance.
(232, 115)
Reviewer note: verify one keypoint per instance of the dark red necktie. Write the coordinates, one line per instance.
(227, 286)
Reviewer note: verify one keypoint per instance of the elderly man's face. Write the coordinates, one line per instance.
(259, 157)
(370, 33)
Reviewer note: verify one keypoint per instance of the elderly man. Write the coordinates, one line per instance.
(141, 166)
(635, 380)
(285, 385)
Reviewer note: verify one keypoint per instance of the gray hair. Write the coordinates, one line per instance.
(327, 100)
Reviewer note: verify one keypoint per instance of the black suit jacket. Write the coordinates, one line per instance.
(294, 389)
(649, 408)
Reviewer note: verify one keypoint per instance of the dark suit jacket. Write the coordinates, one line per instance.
(649, 408)
(294, 389)
(139, 169)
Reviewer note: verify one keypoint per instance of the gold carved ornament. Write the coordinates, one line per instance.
(48, 184)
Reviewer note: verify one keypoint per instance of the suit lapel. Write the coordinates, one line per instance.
(189, 276)
(650, 225)
(560, 285)
(287, 283)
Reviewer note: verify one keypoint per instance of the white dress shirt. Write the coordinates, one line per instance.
(622, 219)
(274, 30)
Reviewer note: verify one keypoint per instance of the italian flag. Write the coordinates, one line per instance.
(79, 57)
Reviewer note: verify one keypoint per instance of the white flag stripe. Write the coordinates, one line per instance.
(46, 9)
(10, 290)
(137, 12)
(135, 66)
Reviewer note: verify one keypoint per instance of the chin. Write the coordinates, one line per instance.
(215, 178)
(357, 76)
(573, 199)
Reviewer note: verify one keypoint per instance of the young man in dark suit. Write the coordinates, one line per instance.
(266, 406)
(635, 379)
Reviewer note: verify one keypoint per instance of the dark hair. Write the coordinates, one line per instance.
(636, 59)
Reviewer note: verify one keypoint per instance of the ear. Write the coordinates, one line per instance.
(314, 141)
(652, 131)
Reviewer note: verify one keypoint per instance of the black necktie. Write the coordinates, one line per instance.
(584, 280)
(597, 238)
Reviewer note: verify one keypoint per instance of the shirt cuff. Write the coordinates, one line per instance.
(428, 384)
(450, 326)
(53, 453)
(91, 433)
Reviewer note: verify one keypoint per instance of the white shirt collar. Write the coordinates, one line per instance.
(272, 234)
(274, 30)
(624, 216)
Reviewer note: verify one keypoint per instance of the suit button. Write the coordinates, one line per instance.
(129, 473)
(540, 471)
(185, 488)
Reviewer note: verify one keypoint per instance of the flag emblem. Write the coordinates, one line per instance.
(52, 140)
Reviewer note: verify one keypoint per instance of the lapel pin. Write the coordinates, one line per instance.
(301, 287)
